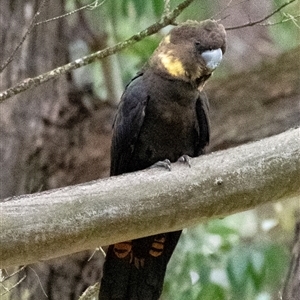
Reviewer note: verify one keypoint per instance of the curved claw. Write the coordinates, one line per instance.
(162, 164)
(185, 159)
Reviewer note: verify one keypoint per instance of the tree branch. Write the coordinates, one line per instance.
(249, 24)
(64, 221)
(32, 82)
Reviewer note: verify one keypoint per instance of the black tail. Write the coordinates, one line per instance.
(135, 270)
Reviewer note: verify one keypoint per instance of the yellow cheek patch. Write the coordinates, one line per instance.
(167, 39)
(172, 65)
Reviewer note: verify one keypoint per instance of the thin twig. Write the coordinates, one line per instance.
(249, 24)
(94, 252)
(33, 24)
(91, 292)
(32, 82)
(30, 28)
(38, 278)
(91, 6)
(228, 5)
(222, 10)
(8, 289)
(288, 19)
(12, 274)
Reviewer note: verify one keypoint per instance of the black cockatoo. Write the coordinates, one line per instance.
(162, 116)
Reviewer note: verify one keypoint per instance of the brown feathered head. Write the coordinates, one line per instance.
(191, 51)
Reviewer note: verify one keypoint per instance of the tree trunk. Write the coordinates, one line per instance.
(27, 152)
(292, 285)
(42, 132)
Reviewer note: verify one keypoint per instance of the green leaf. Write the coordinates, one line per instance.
(220, 228)
(277, 259)
(211, 291)
(237, 269)
(257, 269)
(158, 7)
(140, 7)
(124, 7)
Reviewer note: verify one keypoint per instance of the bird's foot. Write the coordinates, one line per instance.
(162, 164)
(185, 159)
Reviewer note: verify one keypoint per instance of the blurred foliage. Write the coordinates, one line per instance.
(243, 256)
(121, 19)
(286, 34)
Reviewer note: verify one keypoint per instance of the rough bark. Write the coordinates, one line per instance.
(26, 151)
(292, 285)
(41, 133)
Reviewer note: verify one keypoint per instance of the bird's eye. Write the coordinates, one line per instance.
(199, 47)
(197, 44)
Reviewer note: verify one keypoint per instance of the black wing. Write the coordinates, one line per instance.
(202, 107)
(127, 125)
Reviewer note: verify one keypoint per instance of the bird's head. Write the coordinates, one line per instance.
(191, 51)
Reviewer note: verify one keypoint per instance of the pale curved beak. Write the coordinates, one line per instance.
(212, 58)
